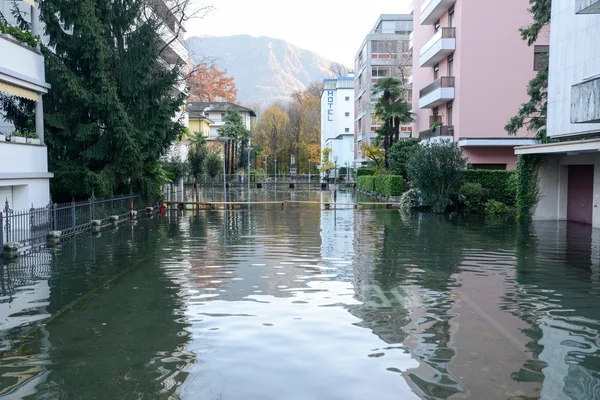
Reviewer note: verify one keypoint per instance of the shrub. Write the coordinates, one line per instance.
(495, 208)
(365, 183)
(342, 171)
(365, 172)
(410, 199)
(399, 154)
(499, 184)
(470, 196)
(437, 169)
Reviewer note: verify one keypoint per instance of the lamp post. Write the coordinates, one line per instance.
(335, 158)
(276, 169)
(266, 165)
(224, 141)
(250, 148)
(309, 173)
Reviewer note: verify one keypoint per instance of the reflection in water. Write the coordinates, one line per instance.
(305, 303)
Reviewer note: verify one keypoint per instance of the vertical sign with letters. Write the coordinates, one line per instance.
(330, 106)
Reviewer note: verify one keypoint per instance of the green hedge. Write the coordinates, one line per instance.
(365, 172)
(385, 185)
(497, 183)
(365, 183)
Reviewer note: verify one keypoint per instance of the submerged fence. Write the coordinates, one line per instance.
(31, 227)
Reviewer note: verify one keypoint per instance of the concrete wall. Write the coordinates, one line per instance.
(554, 186)
(574, 56)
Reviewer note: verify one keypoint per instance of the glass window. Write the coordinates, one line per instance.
(451, 12)
(450, 105)
(436, 71)
(347, 130)
(451, 66)
(435, 110)
(347, 98)
(540, 57)
(223, 117)
(347, 114)
(437, 26)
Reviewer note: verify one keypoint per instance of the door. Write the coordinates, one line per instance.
(580, 194)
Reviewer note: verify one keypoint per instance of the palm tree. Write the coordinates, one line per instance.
(392, 109)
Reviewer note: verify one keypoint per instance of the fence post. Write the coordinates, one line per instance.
(92, 200)
(7, 223)
(1, 234)
(73, 219)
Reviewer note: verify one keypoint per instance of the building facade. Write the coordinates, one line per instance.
(470, 77)
(383, 53)
(24, 176)
(337, 119)
(570, 172)
(215, 112)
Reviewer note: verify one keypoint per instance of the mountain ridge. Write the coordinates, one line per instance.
(266, 69)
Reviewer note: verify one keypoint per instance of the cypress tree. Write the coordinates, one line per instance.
(109, 116)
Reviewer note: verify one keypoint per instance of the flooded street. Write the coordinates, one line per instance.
(305, 303)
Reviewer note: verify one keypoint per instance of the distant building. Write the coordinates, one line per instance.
(383, 53)
(24, 176)
(471, 76)
(337, 119)
(570, 174)
(214, 113)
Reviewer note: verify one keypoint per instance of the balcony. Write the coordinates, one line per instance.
(175, 51)
(587, 6)
(22, 66)
(436, 93)
(441, 45)
(445, 130)
(432, 10)
(585, 102)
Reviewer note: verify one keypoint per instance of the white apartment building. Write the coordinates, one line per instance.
(385, 52)
(570, 174)
(337, 119)
(24, 176)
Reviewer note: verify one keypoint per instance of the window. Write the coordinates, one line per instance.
(384, 46)
(540, 57)
(451, 12)
(347, 98)
(360, 103)
(451, 66)
(489, 166)
(380, 72)
(437, 26)
(346, 129)
(359, 125)
(347, 114)
(222, 116)
(450, 105)
(435, 111)
(436, 71)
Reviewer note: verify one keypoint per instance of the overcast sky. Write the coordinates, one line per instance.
(332, 28)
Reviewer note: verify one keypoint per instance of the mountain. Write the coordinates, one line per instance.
(265, 69)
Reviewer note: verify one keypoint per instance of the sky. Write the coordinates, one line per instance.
(332, 28)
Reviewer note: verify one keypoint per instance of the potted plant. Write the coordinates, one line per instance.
(31, 137)
(434, 126)
(17, 137)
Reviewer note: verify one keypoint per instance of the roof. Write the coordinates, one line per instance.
(196, 115)
(222, 106)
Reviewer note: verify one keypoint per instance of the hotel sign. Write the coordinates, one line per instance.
(330, 106)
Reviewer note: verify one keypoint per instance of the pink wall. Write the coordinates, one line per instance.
(492, 66)
(491, 155)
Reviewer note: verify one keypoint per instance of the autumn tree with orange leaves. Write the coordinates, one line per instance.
(208, 83)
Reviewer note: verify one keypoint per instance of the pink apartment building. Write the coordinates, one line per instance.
(470, 73)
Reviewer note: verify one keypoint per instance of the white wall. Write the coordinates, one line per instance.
(574, 55)
(334, 121)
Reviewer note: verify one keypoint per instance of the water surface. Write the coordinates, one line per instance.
(305, 303)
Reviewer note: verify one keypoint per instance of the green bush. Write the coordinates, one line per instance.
(342, 171)
(470, 196)
(384, 185)
(365, 172)
(436, 168)
(498, 183)
(495, 208)
(399, 154)
(365, 183)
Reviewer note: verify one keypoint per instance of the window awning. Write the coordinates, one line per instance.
(18, 91)
(30, 2)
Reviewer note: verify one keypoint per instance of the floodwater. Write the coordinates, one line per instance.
(306, 303)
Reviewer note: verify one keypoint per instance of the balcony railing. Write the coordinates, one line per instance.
(446, 130)
(443, 82)
(435, 119)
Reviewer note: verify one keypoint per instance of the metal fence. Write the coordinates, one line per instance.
(31, 227)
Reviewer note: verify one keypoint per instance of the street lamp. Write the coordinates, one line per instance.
(335, 158)
(250, 148)
(266, 165)
(309, 173)
(224, 140)
(275, 169)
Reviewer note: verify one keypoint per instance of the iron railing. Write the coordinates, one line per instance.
(31, 227)
(443, 82)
